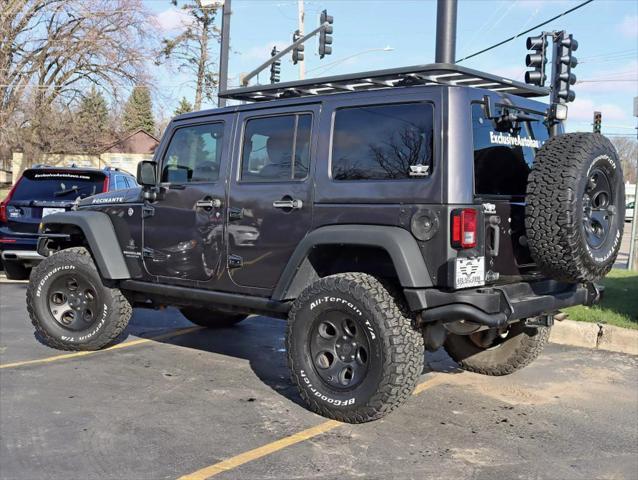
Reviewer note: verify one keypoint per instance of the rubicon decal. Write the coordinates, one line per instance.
(517, 141)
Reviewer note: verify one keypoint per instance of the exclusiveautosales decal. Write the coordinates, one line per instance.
(516, 141)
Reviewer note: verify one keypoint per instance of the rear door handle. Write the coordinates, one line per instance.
(208, 203)
(288, 204)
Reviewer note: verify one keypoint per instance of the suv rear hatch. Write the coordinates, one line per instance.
(40, 192)
(504, 150)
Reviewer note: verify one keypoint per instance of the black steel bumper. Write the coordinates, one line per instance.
(498, 305)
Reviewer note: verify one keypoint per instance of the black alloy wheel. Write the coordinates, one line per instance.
(599, 207)
(340, 349)
(73, 302)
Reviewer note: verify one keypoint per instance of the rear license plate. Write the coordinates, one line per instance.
(469, 272)
(49, 211)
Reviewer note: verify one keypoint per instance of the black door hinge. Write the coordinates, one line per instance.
(235, 261)
(147, 211)
(235, 213)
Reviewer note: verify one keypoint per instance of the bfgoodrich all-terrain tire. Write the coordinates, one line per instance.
(575, 207)
(212, 318)
(353, 351)
(491, 353)
(70, 307)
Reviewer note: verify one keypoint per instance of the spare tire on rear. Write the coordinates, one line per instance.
(575, 207)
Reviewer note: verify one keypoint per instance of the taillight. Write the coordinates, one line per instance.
(5, 202)
(105, 188)
(464, 228)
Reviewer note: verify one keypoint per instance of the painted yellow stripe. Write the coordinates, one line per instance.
(269, 448)
(132, 343)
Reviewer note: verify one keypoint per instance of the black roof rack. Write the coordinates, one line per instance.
(432, 74)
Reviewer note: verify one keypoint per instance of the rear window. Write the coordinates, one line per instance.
(57, 185)
(383, 142)
(504, 152)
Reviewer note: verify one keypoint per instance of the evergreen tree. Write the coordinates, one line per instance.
(184, 107)
(138, 111)
(92, 121)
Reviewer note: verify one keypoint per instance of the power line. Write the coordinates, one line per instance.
(526, 31)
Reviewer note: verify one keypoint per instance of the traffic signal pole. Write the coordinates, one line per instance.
(224, 46)
(246, 78)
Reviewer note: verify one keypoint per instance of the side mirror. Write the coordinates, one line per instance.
(147, 173)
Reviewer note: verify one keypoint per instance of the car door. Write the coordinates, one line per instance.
(270, 199)
(184, 228)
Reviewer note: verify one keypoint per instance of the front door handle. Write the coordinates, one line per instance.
(288, 204)
(208, 203)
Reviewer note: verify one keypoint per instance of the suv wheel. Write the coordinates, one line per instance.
(70, 307)
(210, 318)
(353, 350)
(497, 352)
(15, 270)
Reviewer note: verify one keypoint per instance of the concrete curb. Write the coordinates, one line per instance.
(595, 335)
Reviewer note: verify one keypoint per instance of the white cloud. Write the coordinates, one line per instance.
(582, 110)
(629, 26)
(172, 19)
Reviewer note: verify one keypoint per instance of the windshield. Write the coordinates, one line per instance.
(58, 185)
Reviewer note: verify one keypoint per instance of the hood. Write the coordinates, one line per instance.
(130, 195)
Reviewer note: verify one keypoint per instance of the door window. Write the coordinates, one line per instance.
(383, 142)
(276, 149)
(194, 154)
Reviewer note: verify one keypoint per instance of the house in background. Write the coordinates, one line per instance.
(124, 154)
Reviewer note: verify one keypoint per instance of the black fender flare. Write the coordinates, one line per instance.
(399, 243)
(98, 230)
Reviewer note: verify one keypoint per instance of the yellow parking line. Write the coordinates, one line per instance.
(264, 450)
(133, 343)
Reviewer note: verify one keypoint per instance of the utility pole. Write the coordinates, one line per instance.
(300, 29)
(224, 46)
(446, 31)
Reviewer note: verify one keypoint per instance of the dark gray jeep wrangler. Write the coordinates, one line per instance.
(381, 213)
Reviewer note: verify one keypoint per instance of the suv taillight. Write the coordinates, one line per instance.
(464, 228)
(4, 203)
(105, 186)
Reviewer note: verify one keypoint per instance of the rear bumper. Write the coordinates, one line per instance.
(498, 305)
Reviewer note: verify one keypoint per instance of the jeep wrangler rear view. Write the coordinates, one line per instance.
(382, 214)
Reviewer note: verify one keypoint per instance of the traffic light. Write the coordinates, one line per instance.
(275, 67)
(325, 37)
(297, 52)
(564, 61)
(598, 120)
(536, 60)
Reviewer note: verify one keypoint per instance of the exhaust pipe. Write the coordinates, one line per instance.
(446, 31)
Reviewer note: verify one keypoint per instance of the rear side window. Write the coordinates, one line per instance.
(57, 185)
(504, 152)
(383, 142)
(276, 149)
(120, 182)
(194, 154)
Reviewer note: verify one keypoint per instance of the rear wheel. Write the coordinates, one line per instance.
(210, 318)
(497, 351)
(353, 350)
(14, 270)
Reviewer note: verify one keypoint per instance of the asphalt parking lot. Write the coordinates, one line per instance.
(175, 401)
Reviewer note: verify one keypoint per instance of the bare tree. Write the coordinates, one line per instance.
(52, 50)
(190, 49)
(627, 148)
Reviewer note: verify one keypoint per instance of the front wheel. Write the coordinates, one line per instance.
(353, 350)
(70, 307)
(498, 351)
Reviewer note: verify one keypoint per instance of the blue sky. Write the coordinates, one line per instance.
(607, 32)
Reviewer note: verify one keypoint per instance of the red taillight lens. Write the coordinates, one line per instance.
(464, 228)
(3, 204)
(105, 188)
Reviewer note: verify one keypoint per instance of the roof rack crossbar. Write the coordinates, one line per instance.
(428, 75)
